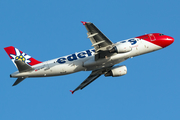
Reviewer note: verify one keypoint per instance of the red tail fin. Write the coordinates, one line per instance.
(16, 54)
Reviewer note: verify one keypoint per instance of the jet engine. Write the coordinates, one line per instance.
(121, 48)
(117, 71)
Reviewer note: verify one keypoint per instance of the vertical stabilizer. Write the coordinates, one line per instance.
(17, 55)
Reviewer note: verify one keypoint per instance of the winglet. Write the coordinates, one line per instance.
(83, 22)
(71, 91)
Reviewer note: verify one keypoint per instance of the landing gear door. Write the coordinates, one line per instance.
(152, 37)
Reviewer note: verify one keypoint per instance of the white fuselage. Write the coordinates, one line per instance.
(85, 60)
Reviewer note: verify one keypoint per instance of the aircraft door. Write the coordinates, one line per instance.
(152, 37)
(46, 66)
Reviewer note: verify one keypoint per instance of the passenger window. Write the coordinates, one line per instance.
(123, 42)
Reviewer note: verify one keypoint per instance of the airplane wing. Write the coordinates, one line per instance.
(87, 81)
(99, 41)
(93, 76)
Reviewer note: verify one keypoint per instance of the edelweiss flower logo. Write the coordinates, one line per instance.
(23, 57)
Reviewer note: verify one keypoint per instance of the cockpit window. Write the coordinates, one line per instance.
(161, 34)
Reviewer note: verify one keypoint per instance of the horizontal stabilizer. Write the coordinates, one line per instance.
(18, 81)
(23, 67)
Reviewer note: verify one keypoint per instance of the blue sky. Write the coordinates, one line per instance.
(47, 29)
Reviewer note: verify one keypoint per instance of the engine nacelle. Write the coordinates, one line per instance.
(117, 71)
(121, 48)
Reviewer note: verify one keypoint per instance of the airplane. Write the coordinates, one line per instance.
(101, 60)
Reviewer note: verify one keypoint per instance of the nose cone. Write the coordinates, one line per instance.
(166, 41)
